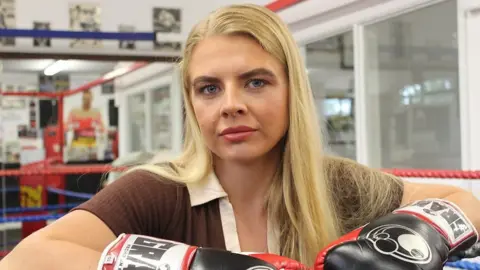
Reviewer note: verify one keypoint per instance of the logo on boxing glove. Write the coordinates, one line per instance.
(400, 242)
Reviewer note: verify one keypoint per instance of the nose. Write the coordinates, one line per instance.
(233, 103)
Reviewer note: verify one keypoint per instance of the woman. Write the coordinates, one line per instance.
(252, 177)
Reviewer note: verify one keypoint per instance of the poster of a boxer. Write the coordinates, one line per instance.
(126, 44)
(85, 17)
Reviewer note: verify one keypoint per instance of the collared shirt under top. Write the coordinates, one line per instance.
(200, 214)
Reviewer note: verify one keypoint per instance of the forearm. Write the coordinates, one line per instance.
(469, 204)
(45, 254)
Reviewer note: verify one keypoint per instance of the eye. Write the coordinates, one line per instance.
(256, 83)
(209, 89)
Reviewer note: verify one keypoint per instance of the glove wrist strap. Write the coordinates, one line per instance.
(446, 218)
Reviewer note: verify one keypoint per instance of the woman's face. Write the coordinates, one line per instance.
(239, 94)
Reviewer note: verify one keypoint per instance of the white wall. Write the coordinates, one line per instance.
(113, 13)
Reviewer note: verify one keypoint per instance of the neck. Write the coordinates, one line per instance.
(247, 184)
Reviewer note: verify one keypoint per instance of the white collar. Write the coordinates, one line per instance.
(205, 190)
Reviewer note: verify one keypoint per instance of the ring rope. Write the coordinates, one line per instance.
(464, 264)
(43, 208)
(79, 195)
(30, 218)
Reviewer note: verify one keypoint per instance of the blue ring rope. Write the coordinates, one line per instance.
(33, 33)
(10, 189)
(70, 193)
(43, 208)
(30, 218)
(79, 195)
(464, 264)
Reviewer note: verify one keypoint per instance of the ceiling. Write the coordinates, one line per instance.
(73, 66)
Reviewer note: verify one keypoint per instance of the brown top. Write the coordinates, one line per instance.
(141, 203)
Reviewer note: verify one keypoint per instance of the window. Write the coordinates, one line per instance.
(411, 83)
(330, 70)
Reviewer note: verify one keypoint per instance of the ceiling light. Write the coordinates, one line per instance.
(115, 73)
(55, 67)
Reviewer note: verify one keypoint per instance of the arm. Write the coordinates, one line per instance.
(465, 200)
(128, 205)
(62, 245)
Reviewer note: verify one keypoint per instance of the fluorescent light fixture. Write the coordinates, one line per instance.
(115, 73)
(56, 67)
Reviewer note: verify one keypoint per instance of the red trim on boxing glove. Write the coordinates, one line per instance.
(188, 257)
(280, 262)
(351, 236)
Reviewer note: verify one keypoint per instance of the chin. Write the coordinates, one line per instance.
(246, 154)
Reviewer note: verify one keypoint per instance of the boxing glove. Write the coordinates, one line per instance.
(129, 252)
(418, 236)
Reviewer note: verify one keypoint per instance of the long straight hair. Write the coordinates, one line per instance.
(300, 200)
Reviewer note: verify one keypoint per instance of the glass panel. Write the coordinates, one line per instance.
(161, 119)
(411, 79)
(136, 106)
(330, 70)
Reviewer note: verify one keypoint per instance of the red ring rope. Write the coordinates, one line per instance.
(85, 169)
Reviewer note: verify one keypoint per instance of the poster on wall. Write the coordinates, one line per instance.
(55, 83)
(7, 20)
(13, 114)
(85, 17)
(167, 21)
(41, 41)
(126, 44)
(87, 132)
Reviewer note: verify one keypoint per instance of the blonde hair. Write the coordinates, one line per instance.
(300, 202)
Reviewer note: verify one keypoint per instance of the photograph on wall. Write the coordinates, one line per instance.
(13, 114)
(57, 82)
(108, 88)
(41, 41)
(85, 17)
(167, 22)
(7, 20)
(126, 44)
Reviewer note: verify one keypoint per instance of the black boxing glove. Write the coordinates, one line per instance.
(418, 236)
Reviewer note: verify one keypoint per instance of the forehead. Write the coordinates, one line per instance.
(221, 55)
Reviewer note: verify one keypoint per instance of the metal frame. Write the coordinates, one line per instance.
(166, 77)
(469, 64)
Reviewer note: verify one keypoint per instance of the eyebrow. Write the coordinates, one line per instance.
(243, 76)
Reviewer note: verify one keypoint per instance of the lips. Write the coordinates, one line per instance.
(237, 134)
(238, 129)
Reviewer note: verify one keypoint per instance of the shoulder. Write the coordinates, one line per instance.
(151, 186)
(361, 194)
(139, 202)
(74, 111)
(339, 169)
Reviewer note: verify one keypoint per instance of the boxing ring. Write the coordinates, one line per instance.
(37, 180)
